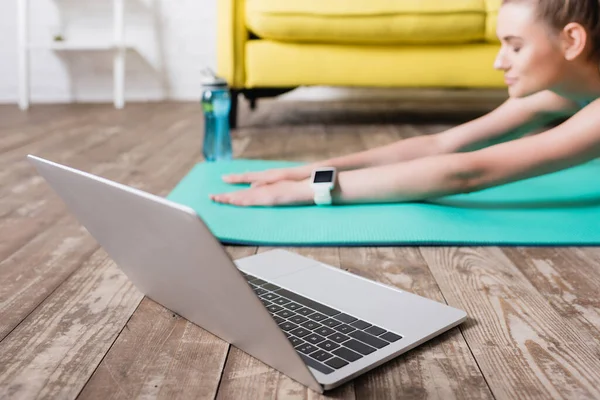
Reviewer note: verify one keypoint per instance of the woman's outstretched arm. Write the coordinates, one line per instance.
(514, 117)
(450, 172)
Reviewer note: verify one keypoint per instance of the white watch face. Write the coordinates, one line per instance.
(324, 176)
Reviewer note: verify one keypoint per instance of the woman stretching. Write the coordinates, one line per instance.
(550, 56)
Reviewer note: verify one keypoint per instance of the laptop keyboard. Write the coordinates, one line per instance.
(325, 338)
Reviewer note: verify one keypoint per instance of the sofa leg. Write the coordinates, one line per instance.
(234, 108)
(253, 103)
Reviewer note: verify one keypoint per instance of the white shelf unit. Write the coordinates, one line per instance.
(118, 47)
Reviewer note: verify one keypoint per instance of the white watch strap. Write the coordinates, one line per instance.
(322, 197)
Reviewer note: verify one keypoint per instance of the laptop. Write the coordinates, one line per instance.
(319, 325)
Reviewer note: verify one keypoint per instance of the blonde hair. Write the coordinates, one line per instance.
(558, 13)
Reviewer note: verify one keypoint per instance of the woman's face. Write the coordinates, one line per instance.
(530, 55)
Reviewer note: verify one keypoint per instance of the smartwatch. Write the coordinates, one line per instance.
(322, 182)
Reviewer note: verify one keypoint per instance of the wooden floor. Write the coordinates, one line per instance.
(72, 326)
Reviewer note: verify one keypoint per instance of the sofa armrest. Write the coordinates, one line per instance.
(231, 41)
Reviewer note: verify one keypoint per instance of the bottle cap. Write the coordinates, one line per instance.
(210, 79)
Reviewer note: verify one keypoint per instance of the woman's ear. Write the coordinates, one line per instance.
(574, 39)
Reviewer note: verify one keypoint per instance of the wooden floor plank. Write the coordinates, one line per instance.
(62, 141)
(160, 354)
(377, 136)
(51, 257)
(35, 117)
(99, 141)
(341, 140)
(87, 145)
(590, 253)
(442, 368)
(568, 278)
(53, 353)
(524, 348)
(36, 206)
(71, 363)
(145, 167)
(43, 123)
(82, 145)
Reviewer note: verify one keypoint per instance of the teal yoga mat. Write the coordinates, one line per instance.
(561, 208)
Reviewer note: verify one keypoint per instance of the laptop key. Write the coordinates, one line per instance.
(336, 363)
(305, 311)
(368, 339)
(331, 323)
(345, 318)
(390, 337)
(292, 306)
(259, 291)
(347, 354)
(300, 332)
(281, 301)
(270, 296)
(273, 308)
(278, 319)
(375, 330)
(320, 355)
(308, 302)
(288, 326)
(328, 345)
(285, 313)
(316, 365)
(312, 325)
(317, 316)
(359, 347)
(295, 341)
(360, 324)
(325, 331)
(338, 337)
(298, 319)
(314, 338)
(266, 302)
(344, 328)
(306, 348)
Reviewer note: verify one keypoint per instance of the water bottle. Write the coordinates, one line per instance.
(216, 103)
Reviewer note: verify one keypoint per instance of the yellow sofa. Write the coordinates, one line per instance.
(267, 47)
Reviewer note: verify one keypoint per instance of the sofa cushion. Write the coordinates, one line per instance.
(368, 21)
(434, 66)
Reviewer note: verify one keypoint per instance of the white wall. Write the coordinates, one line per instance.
(173, 40)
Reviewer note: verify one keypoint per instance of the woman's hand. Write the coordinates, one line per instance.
(269, 176)
(275, 194)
